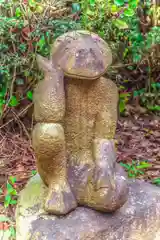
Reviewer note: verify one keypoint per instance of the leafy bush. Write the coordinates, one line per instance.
(134, 170)
(122, 20)
(26, 28)
(132, 28)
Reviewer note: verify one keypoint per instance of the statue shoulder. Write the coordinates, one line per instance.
(108, 86)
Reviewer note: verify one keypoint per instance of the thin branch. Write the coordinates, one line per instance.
(19, 114)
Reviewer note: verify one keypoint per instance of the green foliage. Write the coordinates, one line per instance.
(25, 30)
(11, 193)
(151, 99)
(7, 228)
(33, 172)
(30, 95)
(108, 18)
(134, 169)
(123, 99)
(156, 181)
(132, 30)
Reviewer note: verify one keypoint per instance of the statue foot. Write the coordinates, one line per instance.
(60, 199)
(103, 178)
(109, 195)
(110, 198)
(105, 161)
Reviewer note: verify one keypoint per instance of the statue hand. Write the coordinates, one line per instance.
(104, 172)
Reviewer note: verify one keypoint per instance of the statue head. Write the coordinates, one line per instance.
(85, 55)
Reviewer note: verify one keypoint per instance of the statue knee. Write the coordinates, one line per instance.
(48, 136)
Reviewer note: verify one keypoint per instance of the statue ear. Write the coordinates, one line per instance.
(44, 64)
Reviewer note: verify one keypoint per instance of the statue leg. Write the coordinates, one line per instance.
(49, 145)
(108, 199)
(107, 191)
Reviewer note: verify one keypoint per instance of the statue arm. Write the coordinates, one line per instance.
(49, 96)
(103, 148)
(48, 138)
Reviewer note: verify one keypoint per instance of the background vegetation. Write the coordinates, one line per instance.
(130, 27)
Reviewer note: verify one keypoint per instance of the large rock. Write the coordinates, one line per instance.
(138, 219)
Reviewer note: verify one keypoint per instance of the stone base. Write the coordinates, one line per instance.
(138, 219)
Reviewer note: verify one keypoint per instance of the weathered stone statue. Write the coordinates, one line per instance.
(76, 111)
(76, 114)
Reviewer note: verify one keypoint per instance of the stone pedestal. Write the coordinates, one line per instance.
(138, 219)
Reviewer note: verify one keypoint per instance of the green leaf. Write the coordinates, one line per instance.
(128, 12)
(140, 172)
(137, 57)
(2, 94)
(13, 232)
(26, 73)
(122, 106)
(13, 202)
(133, 169)
(101, 33)
(141, 91)
(114, 9)
(22, 47)
(138, 37)
(153, 85)
(7, 200)
(153, 107)
(33, 172)
(3, 218)
(12, 179)
(135, 93)
(32, 3)
(133, 3)
(131, 175)
(127, 166)
(9, 188)
(39, 9)
(130, 67)
(120, 24)
(89, 12)
(14, 192)
(75, 7)
(19, 81)
(1, 191)
(142, 166)
(41, 43)
(13, 102)
(124, 95)
(125, 52)
(156, 181)
(92, 2)
(119, 2)
(157, 85)
(18, 12)
(30, 95)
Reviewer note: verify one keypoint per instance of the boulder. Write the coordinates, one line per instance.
(138, 219)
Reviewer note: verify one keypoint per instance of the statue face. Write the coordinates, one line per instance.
(85, 55)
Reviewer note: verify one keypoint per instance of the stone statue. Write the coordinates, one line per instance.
(76, 114)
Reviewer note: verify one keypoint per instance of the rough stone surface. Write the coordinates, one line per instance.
(138, 219)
